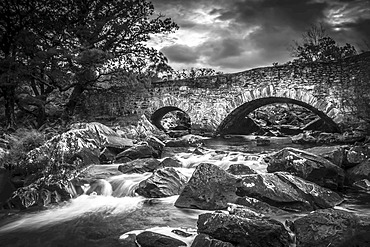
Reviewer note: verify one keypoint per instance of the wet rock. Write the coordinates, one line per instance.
(287, 192)
(140, 166)
(332, 227)
(357, 154)
(108, 155)
(204, 240)
(156, 144)
(186, 141)
(335, 154)
(251, 231)
(258, 206)
(137, 152)
(307, 166)
(152, 239)
(209, 188)
(212, 188)
(163, 183)
(359, 172)
(242, 211)
(362, 184)
(240, 169)
(128, 240)
(117, 142)
(170, 162)
(303, 138)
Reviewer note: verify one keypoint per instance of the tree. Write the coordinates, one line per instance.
(316, 45)
(105, 36)
(52, 46)
(193, 73)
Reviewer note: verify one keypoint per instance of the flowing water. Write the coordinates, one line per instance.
(97, 220)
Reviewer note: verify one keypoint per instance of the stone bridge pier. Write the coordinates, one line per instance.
(217, 110)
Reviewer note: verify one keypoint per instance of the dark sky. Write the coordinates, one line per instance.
(235, 35)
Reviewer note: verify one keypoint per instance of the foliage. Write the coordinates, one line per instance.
(193, 73)
(317, 46)
(53, 46)
(22, 142)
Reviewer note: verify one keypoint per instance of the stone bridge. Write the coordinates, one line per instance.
(216, 102)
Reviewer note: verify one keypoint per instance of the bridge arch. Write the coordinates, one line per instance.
(158, 115)
(239, 113)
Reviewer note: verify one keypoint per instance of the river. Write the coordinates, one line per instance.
(103, 220)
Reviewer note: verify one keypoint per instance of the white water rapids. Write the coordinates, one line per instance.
(97, 220)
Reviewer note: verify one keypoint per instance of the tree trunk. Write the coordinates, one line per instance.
(9, 97)
(74, 99)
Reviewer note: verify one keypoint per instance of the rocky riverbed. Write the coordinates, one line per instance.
(136, 186)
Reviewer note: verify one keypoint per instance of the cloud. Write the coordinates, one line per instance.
(241, 34)
(180, 53)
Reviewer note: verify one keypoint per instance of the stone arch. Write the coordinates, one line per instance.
(239, 113)
(157, 116)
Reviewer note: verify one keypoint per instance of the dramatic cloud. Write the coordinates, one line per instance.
(236, 35)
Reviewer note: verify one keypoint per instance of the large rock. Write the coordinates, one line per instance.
(357, 154)
(259, 206)
(251, 231)
(171, 162)
(332, 227)
(213, 188)
(140, 166)
(153, 239)
(163, 183)
(335, 154)
(307, 166)
(204, 240)
(137, 152)
(208, 188)
(287, 192)
(359, 172)
(240, 169)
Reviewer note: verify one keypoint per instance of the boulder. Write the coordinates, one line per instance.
(240, 169)
(137, 152)
(335, 154)
(359, 172)
(170, 162)
(204, 240)
(153, 239)
(117, 142)
(304, 138)
(108, 155)
(258, 206)
(332, 227)
(287, 192)
(307, 166)
(251, 231)
(363, 184)
(140, 166)
(163, 183)
(213, 188)
(208, 188)
(357, 154)
(156, 144)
